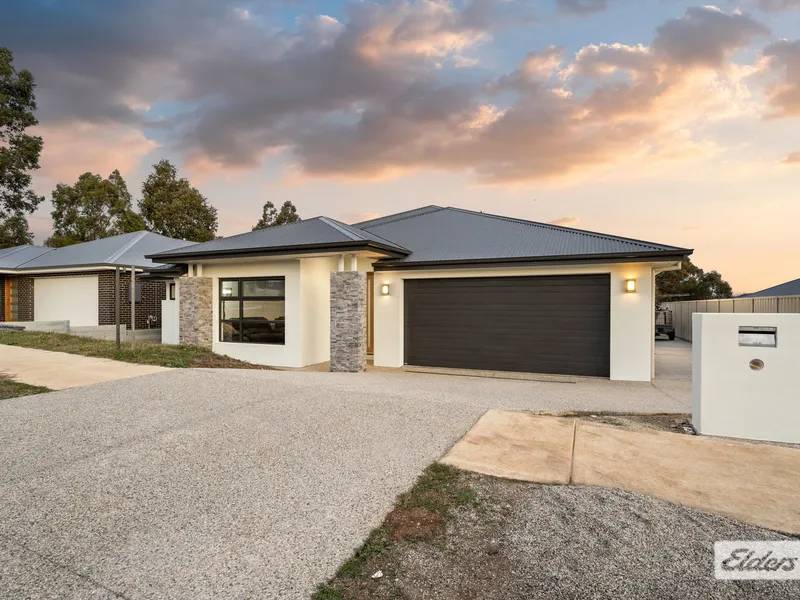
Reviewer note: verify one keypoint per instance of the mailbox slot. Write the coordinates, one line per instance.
(761, 337)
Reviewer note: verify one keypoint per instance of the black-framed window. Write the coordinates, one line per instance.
(172, 291)
(252, 310)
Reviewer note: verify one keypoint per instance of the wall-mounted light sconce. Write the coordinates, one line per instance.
(630, 285)
(385, 289)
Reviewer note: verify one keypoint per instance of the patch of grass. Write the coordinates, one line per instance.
(326, 592)
(14, 389)
(147, 353)
(377, 543)
(438, 490)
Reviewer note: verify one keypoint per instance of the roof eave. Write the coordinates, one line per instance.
(67, 268)
(390, 251)
(536, 260)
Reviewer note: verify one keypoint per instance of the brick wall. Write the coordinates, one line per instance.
(153, 292)
(2, 297)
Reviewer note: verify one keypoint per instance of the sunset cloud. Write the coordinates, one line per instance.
(793, 158)
(73, 149)
(385, 90)
(784, 63)
(552, 130)
(566, 221)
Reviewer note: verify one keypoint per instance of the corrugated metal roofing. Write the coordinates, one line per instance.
(310, 232)
(123, 250)
(790, 288)
(437, 234)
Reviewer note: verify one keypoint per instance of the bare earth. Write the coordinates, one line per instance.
(523, 540)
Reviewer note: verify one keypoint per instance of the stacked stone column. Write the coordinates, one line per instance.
(348, 321)
(196, 312)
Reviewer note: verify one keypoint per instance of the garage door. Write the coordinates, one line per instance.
(72, 299)
(548, 324)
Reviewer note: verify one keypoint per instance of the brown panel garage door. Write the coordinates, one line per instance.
(546, 324)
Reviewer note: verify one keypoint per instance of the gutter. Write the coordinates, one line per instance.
(277, 251)
(532, 261)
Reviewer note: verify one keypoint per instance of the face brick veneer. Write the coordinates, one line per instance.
(153, 292)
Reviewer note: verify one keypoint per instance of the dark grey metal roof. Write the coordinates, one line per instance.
(439, 235)
(119, 250)
(790, 288)
(317, 233)
(11, 258)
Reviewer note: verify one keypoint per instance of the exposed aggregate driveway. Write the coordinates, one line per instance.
(231, 484)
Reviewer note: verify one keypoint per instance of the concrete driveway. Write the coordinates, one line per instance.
(60, 370)
(206, 484)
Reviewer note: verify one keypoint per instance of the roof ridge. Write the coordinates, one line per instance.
(37, 257)
(401, 216)
(585, 232)
(238, 235)
(361, 238)
(341, 228)
(115, 255)
(20, 248)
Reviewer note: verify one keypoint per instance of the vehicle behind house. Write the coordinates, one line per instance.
(664, 324)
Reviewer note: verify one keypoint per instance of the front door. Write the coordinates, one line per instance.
(11, 295)
(370, 313)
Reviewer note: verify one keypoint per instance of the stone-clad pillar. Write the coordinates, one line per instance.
(348, 321)
(195, 307)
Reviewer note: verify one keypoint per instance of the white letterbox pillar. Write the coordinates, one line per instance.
(746, 375)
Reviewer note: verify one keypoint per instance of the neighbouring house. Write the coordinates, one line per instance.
(790, 288)
(77, 283)
(440, 287)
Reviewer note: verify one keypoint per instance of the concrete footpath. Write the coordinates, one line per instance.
(59, 370)
(754, 483)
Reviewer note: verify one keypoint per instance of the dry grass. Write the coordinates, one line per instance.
(14, 389)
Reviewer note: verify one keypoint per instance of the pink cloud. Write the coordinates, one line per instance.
(793, 158)
(565, 221)
(75, 148)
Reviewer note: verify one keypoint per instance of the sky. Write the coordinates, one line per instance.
(661, 120)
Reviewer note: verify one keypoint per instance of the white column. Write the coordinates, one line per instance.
(341, 263)
(353, 262)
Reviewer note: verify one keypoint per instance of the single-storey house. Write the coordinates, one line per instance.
(790, 288)
(441, 287)
(76, 283)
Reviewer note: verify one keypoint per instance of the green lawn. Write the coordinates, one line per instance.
(163, 355)
(14, 389)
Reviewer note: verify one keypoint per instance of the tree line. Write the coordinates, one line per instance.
(94, 207)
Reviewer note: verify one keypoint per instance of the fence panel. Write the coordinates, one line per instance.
(682, 311)
(765, 305)
(789, 304)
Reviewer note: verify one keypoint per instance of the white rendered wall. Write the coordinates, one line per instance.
(728, 397)
(315, 308)
(287, 355)
(631, 313)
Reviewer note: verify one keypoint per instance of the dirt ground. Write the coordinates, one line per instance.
(675, 422)
(475, 537)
